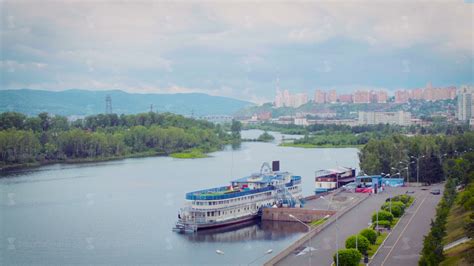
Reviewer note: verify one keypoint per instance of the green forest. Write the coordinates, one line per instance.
(320, 135)
(421, 156)
(46, 138)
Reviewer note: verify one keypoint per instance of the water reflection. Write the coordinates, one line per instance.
(255, 230)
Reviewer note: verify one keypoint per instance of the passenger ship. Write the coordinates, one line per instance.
(241, 201)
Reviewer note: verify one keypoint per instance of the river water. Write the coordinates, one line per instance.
(122, 212)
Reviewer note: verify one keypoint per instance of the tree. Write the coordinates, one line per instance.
(359, 241)
(235, 128)
(347, 257)
(12, 120)
(45, 121)
(370, 234)
(382, 215)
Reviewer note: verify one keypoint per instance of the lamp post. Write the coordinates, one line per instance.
(337, 234)
(417, 167)
(407, 167)
(389, 196)
(309, 230)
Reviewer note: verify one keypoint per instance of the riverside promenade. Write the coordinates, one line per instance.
(402, 246)
(351, 219)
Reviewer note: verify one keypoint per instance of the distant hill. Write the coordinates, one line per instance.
(84, 102)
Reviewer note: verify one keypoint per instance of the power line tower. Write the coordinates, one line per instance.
(108, 104)
(151, 108)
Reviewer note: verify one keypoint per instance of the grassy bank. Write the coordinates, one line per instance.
(10, 167)
(373, 248)
(312, 146)
(192, 154)
(318, 222)
(462, 254)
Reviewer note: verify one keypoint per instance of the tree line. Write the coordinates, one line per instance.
(460, 173)
(381, 129)
(422, 157)
(47, 138)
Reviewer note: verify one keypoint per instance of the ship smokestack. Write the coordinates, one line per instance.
(275, 166)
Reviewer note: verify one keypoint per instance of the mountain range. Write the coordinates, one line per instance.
(86, 102)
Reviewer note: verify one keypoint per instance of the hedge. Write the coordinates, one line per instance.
(362, 243)
(383, 223)
(403, 198)
(397, 208)
(370, 234)
(348, 257)
(383, 216)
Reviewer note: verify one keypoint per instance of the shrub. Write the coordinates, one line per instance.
(397, 208)
(383, 223)
(370, 234)
(383, 216)
(362, 243)
(348, 257)
(403, 198)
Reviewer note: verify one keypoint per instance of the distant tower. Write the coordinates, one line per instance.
(108, 104)
(151, 108)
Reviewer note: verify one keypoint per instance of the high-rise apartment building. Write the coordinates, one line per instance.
(362, 96)
(320, 96)
(465, 110)
(286, 99)
(331, 96)
(345, 98)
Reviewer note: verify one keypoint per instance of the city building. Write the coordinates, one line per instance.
(331, 96)
(465, 110)
(402, 96)
(428, 94)
(362, 96)
(345, 98)
(394, 118)
(320, 96)
(286, 99)
(379, 96)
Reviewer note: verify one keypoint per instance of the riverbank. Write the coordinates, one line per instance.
(10, 167)
(312, 146)
(191, 154)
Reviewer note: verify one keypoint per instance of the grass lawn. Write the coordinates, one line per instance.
(455, 224)
(459, 255)
(192, 154)
(373, 248)
(317, 222)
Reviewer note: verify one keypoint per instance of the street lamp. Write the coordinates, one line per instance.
(417, 167)
(407, 164)
(337, 230)
(310, 237)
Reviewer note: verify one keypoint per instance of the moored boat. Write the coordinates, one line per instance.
(241, 201)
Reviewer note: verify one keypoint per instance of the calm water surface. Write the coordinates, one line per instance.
(122, 212)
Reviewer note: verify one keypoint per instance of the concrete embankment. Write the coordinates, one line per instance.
(304, 215)
(287, 251)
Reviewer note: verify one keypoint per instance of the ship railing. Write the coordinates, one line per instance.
(196, 195)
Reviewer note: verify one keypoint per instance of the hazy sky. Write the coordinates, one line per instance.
(235, 49)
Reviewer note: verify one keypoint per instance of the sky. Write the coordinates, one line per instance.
(239, 49)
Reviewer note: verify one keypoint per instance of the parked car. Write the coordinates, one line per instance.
(435, 191)
(410, 192)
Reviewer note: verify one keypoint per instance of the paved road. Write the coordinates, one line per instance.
(350, 223)
(359, 217)
(404, 245)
